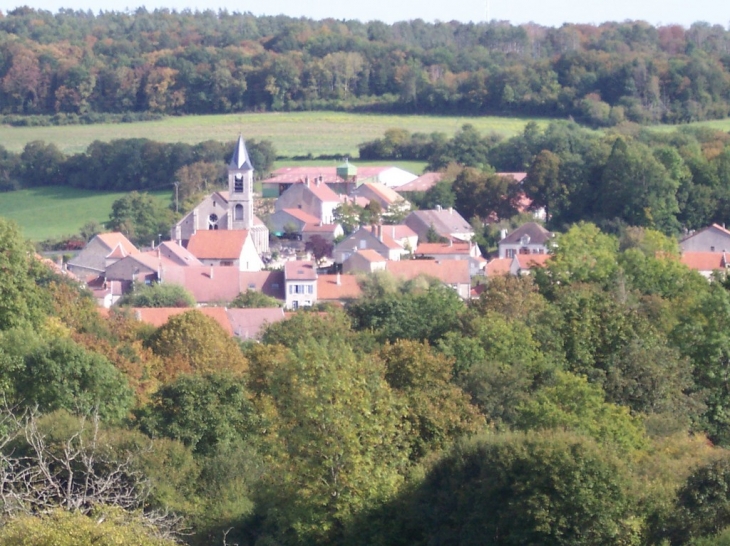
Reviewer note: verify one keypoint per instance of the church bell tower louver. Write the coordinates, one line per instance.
(240, 188)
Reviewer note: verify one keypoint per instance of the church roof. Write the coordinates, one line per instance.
(240, 159)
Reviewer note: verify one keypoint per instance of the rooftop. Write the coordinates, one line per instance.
(537, 234)
(219, 244)
(300, 270)
(447, 271)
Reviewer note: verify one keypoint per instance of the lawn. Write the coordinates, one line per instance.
(293, 133)
(49, 212)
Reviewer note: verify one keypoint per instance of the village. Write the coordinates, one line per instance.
(221, 249)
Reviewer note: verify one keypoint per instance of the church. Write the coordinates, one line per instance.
(227, 210)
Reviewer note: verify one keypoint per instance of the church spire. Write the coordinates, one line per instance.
(240, 159)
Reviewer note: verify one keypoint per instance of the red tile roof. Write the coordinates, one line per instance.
(158, 316)
(447, 271)
(319, 228)
(444, 248)
(355, 200)
(369, 255)
(301, 215)
(385, 193)
(704, 261)
(219, 244)
(528, 261)
(329, 290)
(323, 192)
(498, 266)
(111, 240)
(250, 323)
(223, 283)
(423, 183)
(300, 270)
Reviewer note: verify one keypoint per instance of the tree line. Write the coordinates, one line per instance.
(628, 176)
(76, 65)
(582, 405)
(127, 165)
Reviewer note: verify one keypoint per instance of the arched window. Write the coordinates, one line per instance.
(238, 183)
(213, 221)
(238, 212)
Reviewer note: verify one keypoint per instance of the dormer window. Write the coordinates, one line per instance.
(238, 183)
(525, 240)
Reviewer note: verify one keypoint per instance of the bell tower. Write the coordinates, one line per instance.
(240, 188)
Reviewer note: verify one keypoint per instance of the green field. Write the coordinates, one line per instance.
(50, 212)
(297, 133)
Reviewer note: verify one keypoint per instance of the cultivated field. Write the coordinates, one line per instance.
(297, 133)
(49, 212)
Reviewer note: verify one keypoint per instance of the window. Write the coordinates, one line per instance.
(238, 183)
(238, 212)
(510, 253)
(213, 221)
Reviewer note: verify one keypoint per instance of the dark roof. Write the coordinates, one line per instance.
(240, 159)
(538, 235)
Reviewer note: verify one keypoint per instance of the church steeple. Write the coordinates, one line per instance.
(240, 188)
(240, 159)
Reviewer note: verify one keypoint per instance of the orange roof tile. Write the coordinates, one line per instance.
(385, 193)
(444, 248)
(250, 323)
(528, 261)
(158, 316)
(219, 244)
(447, 271)
(370, 255)
(423, 183)
(704, 261)
(329, 290)
(301, 215)
(112, 239)
(498, 266)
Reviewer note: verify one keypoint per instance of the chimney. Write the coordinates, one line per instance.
(451, 210)
(317, 180)
(380, 232)
(306, 181)
(438, 207)
(211, 271)
(392, 232)
(451, 242)
(339, 281)
(502, 234)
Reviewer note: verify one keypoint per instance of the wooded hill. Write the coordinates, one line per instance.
(76, 65)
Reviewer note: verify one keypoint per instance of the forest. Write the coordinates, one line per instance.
(583, 405)
(75, 66)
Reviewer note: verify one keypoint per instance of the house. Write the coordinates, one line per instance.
(446, 223)
(106, 292)
(211, 285)
(453, 273)
(421, 184)
(329, 232)
(523, 264)
(342, 179)
(227, 210)
(706, 263)
(103, 250)
(300, 280)
(314, 198)
(529, 238)
(226, 248)
(497, 267)
(374, 238)
(145, 266)
(403, 235)
(364, 261)
(387, 197)
(454, 251)
(290, 221)
(337, 288)
(714, 238)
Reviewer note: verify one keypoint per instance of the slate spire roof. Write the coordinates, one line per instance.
(240, 159)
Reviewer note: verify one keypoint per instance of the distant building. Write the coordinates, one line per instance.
(300, 278)
(714, 238)
(446, 223)
(99, 253)
(529, 238)
(231, 210)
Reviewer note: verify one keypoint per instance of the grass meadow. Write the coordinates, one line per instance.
(293, 133)
(57, 211)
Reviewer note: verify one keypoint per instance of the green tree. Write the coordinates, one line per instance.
(158, 295)
(338, 447)
(543, 184)
(204, 412)
(141, 217)
(192, 342)
(254, 299)
(510, 489)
